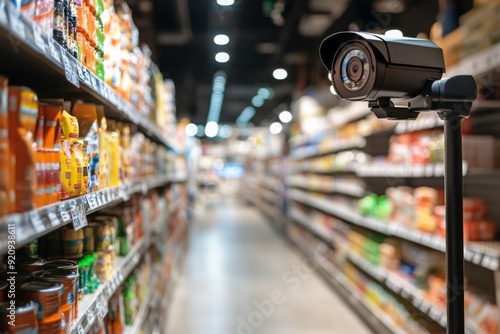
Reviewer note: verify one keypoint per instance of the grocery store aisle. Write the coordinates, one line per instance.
(240, 277)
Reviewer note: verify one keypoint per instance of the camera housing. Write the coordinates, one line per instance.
(367, 67)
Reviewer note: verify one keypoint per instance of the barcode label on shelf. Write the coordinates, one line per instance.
(65, 216)
(55, 51)
(37, 35)
(83, 74)
(92, 201)
(79, 217)
(70, 69)
(54, 220)
(16, 23)
(93, 82)
(101, 313)
(36, 221)
(80, 329)
(90, 318)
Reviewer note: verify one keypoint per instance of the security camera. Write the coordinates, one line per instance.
(367, 67)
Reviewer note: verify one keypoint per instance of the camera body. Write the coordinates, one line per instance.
(368, 67)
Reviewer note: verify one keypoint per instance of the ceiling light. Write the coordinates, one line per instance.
(275, 128)
(191, 130)
(280, 74)
(221, 39)
(265, 93)
(285, 116)
(257, 101)
(222, 57)
(394, 33)
(225, 2)
(211, 129)
(225, 131)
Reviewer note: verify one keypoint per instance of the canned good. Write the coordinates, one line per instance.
(47, 296)
(61, 264)
(68, 278)
(30, 264)
(102, 237)
(88, 239)
(72, 242)
(23, 312)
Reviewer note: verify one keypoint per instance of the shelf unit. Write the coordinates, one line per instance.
(25, 47)
(341, 187)
(333, 147)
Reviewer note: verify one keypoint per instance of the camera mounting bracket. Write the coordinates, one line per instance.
(450, 97)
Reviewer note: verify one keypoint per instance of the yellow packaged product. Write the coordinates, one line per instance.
(69, 125)
(85, 168)
(76, 169)
(104, 149)
(66, 170)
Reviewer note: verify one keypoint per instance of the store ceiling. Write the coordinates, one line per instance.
(180, 33)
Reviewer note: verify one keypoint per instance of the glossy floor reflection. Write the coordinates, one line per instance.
(241, 277)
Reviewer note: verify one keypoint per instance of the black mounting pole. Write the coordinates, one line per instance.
(454, 225)
(452, 98)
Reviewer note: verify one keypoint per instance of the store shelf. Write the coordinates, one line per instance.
(401, 171)
(421, 123)
(26, 49)
(485, 254)
(395, 283)
(272, 183)
(150, 301)
(481, 63)
(95, 306)
(35, 223)
(340, 187)
(333, 147)
(378, 320)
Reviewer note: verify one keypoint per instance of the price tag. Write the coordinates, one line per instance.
(16, 24)
(54, 220)
(80, 329)
(65, 216)
(99, 199)
(70, 69)
(92, 201)
(55, 52)
(90, 318)
(36, 221)
(425, 306)
(94, 84)
(39, 41)
(101, 313)
(84, 74)
(477, 258)
(79, 217)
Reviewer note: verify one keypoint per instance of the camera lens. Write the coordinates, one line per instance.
(354, 69)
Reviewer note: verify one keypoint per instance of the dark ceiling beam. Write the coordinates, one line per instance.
(185, 34)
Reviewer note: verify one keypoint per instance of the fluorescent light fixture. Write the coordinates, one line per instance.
(264, 93)
(394, 33)
(191, 130)
(222, 57)
(280, 74)
(221, 39)
(225, 131)
(257, 101)
(285, 116)
(211, 129)
(225, 2)
(201, 131)
(275, 128)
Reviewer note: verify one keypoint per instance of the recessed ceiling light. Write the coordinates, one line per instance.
(225, 2)
(265, 93)
(191, 130)
(285, 116)
(275, 128)
(211, 129)
(222, 57)
(280, 74)
(221, 39)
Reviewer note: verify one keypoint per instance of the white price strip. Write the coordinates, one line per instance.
(39, 41)
(65, 216)
(99, 199)
(101, 313)
(93, 82)
(70, 69)
(83, 74)
(92, 200)
(79, 217)
(54, 220)
(36, 221)
(15, 23)
(90, 318)
(80, 329)
(55, 52)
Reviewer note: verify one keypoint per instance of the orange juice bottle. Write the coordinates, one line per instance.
(40, 165)
(23, 111)
(52, 144)
(5, 191)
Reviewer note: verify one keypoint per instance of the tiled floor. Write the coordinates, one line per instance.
(241, 277)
